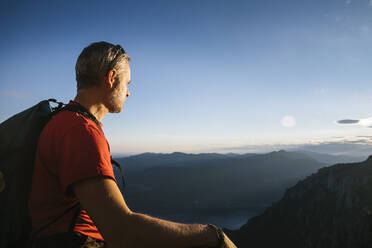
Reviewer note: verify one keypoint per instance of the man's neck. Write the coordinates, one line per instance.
(91, 102)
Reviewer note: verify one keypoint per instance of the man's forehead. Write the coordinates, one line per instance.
(126, 67)
(126, 71)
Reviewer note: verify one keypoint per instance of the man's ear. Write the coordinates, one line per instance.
(110, 78)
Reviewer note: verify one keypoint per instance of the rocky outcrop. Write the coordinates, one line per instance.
(329, 209)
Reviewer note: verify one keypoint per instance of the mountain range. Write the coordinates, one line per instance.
(211, 182)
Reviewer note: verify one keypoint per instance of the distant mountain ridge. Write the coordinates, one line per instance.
(179, 182)
(332, 159)
(329, 209)
(148, 160)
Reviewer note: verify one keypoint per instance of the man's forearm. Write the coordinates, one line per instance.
(124, 228)
(146, 231)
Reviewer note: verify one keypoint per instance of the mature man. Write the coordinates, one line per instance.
(73, 170)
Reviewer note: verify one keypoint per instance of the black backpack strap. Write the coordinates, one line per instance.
(78, 108)
(60, 104)
(121, 171)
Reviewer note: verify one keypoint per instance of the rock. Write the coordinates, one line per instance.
(329, 209)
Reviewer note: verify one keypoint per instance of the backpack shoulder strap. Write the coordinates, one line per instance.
(121, 171)
(78, 109)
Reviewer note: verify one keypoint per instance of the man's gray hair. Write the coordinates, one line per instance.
(96, 60)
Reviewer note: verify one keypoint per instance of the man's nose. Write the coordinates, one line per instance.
(128, 93)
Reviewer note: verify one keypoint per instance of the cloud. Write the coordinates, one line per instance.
(13, 94)
(359, 147)
(351, 146)
(366, 122)
(347, 121)
(348, 1)
(363, 136)
(370, 3)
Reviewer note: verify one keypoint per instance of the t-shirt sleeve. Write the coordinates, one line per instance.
(83, 153)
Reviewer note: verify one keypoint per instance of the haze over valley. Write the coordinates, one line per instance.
(220, 187)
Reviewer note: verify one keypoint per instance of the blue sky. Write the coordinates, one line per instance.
(206, 75)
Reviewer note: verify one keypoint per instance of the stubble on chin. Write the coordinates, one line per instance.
(115, 109)
(114, 104)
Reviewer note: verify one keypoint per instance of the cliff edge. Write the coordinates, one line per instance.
(331, 208)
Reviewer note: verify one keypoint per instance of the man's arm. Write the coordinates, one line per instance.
(121, 227)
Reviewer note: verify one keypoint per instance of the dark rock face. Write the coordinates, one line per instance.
(329, 209)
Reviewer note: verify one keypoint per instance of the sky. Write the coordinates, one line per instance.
(207, 75)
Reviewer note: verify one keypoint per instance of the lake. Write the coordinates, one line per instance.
(232, 220)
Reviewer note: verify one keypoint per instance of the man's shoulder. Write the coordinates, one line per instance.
(70, 118)
(65, 121)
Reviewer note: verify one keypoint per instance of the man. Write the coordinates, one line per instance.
(73, 170)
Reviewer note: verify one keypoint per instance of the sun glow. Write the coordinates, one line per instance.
(366, 122)
(288, 121)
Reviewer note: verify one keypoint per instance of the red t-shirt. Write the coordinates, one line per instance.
(71, 148)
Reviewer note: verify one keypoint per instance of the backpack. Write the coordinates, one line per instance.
(19, 137)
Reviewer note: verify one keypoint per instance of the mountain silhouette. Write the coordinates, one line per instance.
(331, 208)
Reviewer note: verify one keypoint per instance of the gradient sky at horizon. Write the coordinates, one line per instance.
(206, 75)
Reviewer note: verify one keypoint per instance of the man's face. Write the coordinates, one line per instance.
(120, 92)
